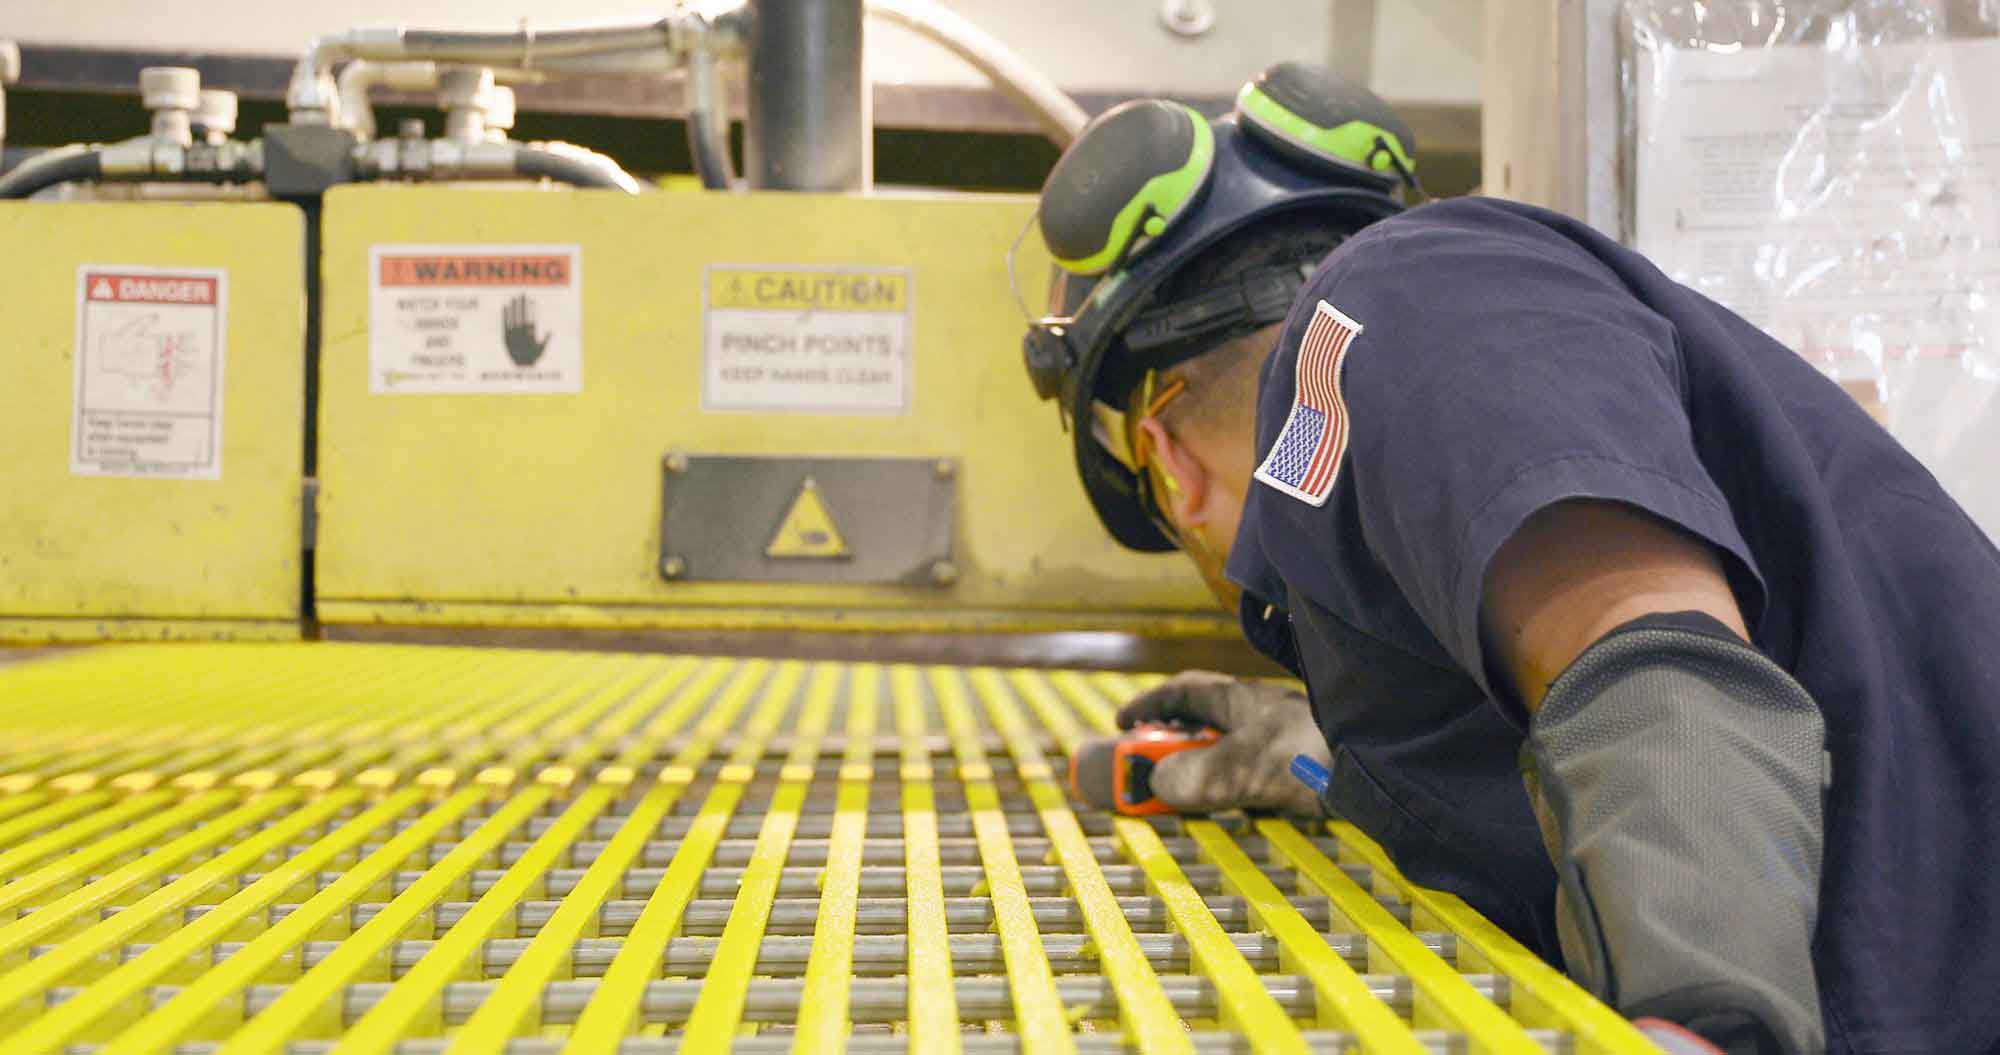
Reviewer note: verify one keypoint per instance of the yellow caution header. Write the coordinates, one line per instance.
(854, 289)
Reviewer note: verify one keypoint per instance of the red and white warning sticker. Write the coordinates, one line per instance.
(150, 346)
(475, 318)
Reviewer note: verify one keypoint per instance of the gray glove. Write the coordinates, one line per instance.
(1263, 726)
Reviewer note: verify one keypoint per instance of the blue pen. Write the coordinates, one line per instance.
(1311, 773)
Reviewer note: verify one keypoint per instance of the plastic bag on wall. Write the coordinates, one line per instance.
(1831, 171)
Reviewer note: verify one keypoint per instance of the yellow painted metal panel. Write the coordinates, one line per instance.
(545, 509)
(98, 556)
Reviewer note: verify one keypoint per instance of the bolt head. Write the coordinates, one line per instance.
(672, 567)
(677, 462)
(1188, 18)
(945, 469)
(944, 573)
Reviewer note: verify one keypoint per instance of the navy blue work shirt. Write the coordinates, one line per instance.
(1505, 358)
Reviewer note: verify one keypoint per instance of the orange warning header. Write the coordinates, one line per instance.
(511, 269)
(148, 289)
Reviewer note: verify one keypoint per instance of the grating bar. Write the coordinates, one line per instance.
(240, 849)
(866, 954)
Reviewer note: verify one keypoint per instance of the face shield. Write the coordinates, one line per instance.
(1146, 188)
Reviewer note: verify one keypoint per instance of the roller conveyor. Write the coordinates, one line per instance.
(268, 848)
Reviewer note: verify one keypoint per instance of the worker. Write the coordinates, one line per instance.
(1617, 618)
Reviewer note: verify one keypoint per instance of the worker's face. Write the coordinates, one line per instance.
(1203, 485)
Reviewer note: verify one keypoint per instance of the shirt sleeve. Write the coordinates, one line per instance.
(1500, 368)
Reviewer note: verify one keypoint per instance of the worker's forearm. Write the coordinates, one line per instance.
(1677, 776)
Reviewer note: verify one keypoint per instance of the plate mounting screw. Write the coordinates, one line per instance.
(945, 469)
(677, 462)
(672, 567)
(944, 573)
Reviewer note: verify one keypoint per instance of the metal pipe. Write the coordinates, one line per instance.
(10, 71)
(136, 160)
(1204, 1042)
(573, 165)
(871, 1000)
(708, 120)
(313, 97)
(873, 954)
(797, 914)
(485, 159)
(808, 123)
(47, 170)
(1052, 108)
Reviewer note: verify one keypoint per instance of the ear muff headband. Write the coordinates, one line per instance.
(1357, 143)
(1136, 170)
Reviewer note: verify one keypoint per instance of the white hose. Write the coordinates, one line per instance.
(1057, 114)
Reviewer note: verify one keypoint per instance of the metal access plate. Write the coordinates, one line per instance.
(813, 520)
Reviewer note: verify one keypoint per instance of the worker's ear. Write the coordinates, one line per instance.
(1187, 498)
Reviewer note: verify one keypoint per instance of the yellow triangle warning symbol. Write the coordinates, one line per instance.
(807, 530)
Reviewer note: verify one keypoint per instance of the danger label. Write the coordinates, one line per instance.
(807, 340)
(475, 319)
(149, 358)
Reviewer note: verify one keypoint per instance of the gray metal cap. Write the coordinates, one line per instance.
(216, 111)
(499, 105)
(170, 87)
(464, 86)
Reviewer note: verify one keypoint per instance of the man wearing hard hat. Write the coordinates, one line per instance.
(1618, 620)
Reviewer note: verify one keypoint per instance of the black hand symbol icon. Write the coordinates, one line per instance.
(517, 321)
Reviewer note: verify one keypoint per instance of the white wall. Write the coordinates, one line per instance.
(1419, 51)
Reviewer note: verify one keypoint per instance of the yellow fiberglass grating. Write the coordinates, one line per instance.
(361, 848)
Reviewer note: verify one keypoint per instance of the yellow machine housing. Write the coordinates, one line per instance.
(544, 510)
(100, 556)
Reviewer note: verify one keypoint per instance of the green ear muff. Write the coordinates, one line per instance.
(1130, 175)
(1313, 114)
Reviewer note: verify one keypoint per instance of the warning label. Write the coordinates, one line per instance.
(149, 370)
(811, 340)
(475, 318)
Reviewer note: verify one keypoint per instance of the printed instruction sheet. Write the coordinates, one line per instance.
(1847, 200)
(150, 351)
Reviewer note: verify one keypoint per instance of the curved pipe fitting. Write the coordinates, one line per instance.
(1052, 108)
(354, 111)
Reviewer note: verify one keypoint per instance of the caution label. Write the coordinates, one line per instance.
(150, 346)
(808, 340)
(475, 318)
(807, 530)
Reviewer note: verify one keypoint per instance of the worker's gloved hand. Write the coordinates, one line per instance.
(1263, 725)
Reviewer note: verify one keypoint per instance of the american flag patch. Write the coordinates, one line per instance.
(1306, 459)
